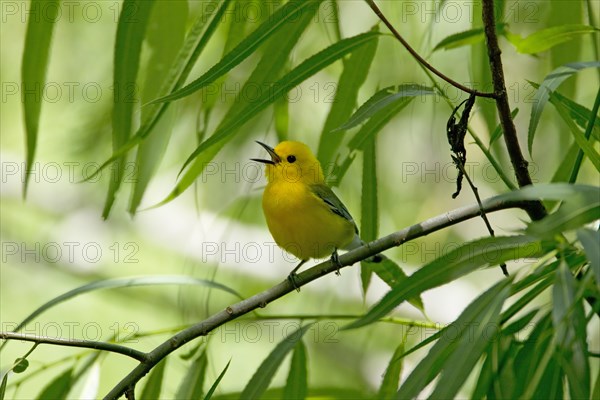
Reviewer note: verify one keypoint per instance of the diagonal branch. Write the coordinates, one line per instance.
(535, 209)
(420, 59)
(260, 300)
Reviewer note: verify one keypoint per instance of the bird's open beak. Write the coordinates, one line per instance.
(275, 159)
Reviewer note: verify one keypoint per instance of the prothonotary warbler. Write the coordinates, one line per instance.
(303, 214)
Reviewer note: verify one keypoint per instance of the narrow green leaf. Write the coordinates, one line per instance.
(153, 385)
(551, 382)
(481, 331)
(596, 391)
(547, 38)
(341, 169)
(554, 191)
(446, 349)
(296, 386)
(466, 38)
(485, 379)
(131, 30)
(335, 14)
(590, 127)
(3, 386)
(569, 323)
(533, 356)
(263, 375)
(563, 172)
(391, 273)
(355, 72)
(391, 378)
(285, 14)
(497, 378)
(456, 263)
(216, 384)
(498, 131)
(550, 83)
(377, 122)
(572, 214)
(214, 143)
(34, 65)
(87, 378)
(591, 245)
(165, 35)
(582, 142)
(369, 215)
(382, 99)
(524, 300)
(579, 113)
(122, 283)
(193, 382)
(59, 387)
(237, 26)
(520, 323)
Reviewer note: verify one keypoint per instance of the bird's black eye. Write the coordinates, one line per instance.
(291, 159)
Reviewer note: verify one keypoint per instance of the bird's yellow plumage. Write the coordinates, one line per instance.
(304, 216)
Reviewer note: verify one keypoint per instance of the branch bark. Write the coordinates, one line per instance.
(535, 209)
(260, 300)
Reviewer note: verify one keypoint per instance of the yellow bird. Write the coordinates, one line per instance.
(303, 214)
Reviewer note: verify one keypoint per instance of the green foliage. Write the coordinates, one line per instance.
(59, 387)
(131, 31)
(34, 65)
(262, 377)
(296, 386)
(191, 387)
(172, 66)
(154, 383)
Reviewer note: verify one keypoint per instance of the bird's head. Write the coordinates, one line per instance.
(292, 162)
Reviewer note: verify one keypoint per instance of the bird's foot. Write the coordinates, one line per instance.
(335, 260)
(292, 278)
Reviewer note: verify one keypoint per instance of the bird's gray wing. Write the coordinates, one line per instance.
(325, 193)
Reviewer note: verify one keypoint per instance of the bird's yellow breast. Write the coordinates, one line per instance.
(301, 223)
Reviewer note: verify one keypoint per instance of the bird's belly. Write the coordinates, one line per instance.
(304, 226)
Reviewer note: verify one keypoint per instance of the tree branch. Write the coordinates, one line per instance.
(88, 344)
(535, 209)
(260, 300)
(420, 59)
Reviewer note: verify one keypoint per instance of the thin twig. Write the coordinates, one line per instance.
(483, 213)
(535, 209)
(88, 344)
(261, 300)
(420, 59)
(318, 317)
